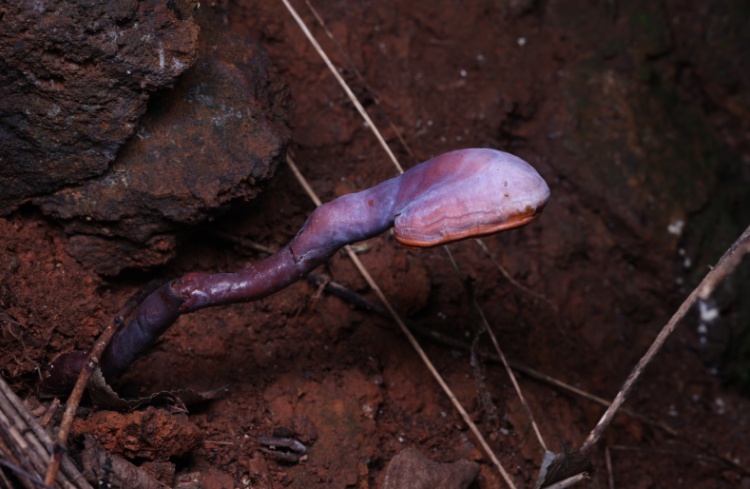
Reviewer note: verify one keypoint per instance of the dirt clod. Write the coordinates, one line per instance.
(151, 434)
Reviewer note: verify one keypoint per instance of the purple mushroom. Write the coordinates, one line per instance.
(457, 195)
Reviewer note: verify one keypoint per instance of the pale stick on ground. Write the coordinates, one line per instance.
(726, 265)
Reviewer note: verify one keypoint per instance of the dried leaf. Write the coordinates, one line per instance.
(105, 396)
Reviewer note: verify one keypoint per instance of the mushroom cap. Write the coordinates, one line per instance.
(468, 193)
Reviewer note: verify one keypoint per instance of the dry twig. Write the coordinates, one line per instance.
(343, 83)
(27, 447)
(726, 265)
(75, 396)
(569, 482)
(360, 77)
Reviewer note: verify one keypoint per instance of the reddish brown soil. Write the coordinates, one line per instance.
(573, 94)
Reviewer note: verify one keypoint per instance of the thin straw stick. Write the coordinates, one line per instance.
(343, 84)
(500, 354)
(509, 278)
(405, 330)
(360, 77)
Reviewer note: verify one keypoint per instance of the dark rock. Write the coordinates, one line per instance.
(198, 147)
(76, 77)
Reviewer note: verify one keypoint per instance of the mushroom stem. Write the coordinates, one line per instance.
(454, 196)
